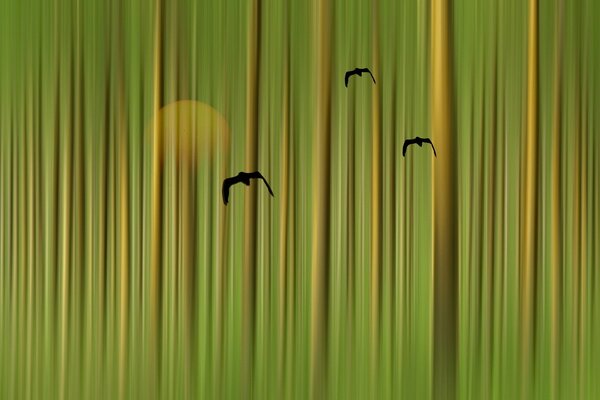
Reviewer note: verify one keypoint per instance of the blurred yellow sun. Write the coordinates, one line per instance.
(192, 129)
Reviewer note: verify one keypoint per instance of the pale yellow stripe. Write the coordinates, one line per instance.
(156, 190)
(321, 206)
(528, 220)
(445, 272)
(283, 209)
(250, 210)
(556, 247)
(376, 197)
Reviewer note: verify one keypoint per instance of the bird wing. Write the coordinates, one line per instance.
(258, 175)
(372, 77)
(268, 186)
(427, 140)
(347, 76)
(225, 190)
(227, 183)
(407, 143)
(255, 175)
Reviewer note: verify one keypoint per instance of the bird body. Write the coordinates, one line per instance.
(242, 177)
(357, 71)
(418, 141)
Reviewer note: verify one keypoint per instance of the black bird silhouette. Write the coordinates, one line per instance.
(357, 71)
(418, 141)
(243, 177)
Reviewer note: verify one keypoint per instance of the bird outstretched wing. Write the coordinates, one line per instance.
(370, 73)
(427, 140)
(407, 143)
(347, 76)
(225, 189)
(258, 175)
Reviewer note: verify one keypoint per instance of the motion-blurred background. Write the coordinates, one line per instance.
(368, 275)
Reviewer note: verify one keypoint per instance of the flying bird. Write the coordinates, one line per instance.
(418, 141)
(243, 177)
(357, 71)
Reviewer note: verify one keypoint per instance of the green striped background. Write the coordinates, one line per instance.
(123, 275)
